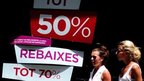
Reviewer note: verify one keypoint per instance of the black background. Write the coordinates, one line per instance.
(116, 21)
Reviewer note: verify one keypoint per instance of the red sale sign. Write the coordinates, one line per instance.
(72, 26)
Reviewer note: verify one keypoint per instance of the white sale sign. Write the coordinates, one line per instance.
(36, 72)
(57, 4)
(48, 55)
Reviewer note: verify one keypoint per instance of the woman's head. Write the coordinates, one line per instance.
(99, 55)
(127, 50)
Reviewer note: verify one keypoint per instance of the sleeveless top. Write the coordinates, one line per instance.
(126, 76)
(97, 76)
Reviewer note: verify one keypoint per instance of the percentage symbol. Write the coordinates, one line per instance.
(80, 27)
(55, 74)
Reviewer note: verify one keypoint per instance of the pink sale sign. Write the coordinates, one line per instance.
(28, 72)
(31, 40)
(48, 55)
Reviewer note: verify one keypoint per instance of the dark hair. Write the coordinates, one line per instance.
(104, 52)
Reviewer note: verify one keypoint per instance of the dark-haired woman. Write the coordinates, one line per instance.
(98, 58)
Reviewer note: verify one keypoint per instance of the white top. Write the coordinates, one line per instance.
(98, 75)
(126, 76)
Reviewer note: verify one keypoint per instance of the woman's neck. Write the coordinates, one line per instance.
(97, 67)
(127, 62)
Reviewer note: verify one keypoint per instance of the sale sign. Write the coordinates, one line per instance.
(30, 40)
(48, 55)
(36, 72)
(72, 26)
(57, 4)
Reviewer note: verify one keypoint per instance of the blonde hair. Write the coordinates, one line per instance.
(130, 48)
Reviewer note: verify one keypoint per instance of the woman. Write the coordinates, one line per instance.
(130, 55)
(98, 58)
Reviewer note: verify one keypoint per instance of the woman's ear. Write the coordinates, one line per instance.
(102, 59)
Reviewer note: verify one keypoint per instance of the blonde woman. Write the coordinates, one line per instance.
(130, 55)
(98, 58)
